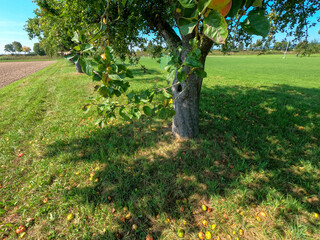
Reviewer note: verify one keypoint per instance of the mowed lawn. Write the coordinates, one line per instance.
(255, 165)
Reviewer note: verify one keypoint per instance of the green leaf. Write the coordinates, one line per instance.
(187, 3)
(249, 3)
(193, 59)
(70, 56)
(77, 48)
(203, 4)
(166, 94)
(166, 112)
(187, 25)
(181, 75)
(129, 73)
(201, 73)
(147, 111)
(104, 91)
(257, 23)
(96, 77)
(86, 66)
(235, 7)
(75, 38)
(215, 27)
(76, 58)
(86, 47)
(109, 54)
(136, 112)
(86, 108)
(257, 3)
(124, 114)
(190, 13)
(114, 77)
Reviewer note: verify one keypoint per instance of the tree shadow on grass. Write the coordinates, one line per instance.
(256, 146)
(138, 72)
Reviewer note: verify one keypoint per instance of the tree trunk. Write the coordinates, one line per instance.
(186, 97)
(78, 67)
(186, 105)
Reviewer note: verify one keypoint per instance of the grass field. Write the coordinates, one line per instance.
(25, 58)
(255, 165)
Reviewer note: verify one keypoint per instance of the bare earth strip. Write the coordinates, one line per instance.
(13, 71)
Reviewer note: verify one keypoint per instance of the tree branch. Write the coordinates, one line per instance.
(205, 46)
(167, 32)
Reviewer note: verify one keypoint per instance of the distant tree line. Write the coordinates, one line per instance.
(302, 48)
(16, 47)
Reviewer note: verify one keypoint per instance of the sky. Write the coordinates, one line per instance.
(15, 13)
(13, 17)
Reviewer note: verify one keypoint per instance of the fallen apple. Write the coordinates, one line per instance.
(213, 226)
(201, 235)
(20, 229)
(204, 207)
(208, 235)
(70, 217)
(205, 223)
(134, 227)
(149, 237)
(262, 214)
(180, 233)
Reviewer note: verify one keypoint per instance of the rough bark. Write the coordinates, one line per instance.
(186, 105)
(186, 96)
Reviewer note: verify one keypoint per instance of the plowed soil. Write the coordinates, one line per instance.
(13, 71)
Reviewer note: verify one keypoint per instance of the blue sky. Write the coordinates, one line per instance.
(15, 13)
(13, 16)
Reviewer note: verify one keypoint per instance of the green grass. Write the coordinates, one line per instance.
(25, 58)
(258, 151)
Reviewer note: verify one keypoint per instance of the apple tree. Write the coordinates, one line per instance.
(55, 22)
(189, 28)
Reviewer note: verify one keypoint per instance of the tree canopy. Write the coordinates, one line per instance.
(17, 46)
(9, 48)
(105, 29)
(38, 49)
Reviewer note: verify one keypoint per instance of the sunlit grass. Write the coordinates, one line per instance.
(255, 164)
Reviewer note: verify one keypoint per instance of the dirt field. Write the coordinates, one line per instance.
(13, 71)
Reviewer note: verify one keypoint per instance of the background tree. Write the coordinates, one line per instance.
(9, 48)
(314, 47)
(25, 49)
(38, 49)
(188, 28)
(305, 48)
(17, 46)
